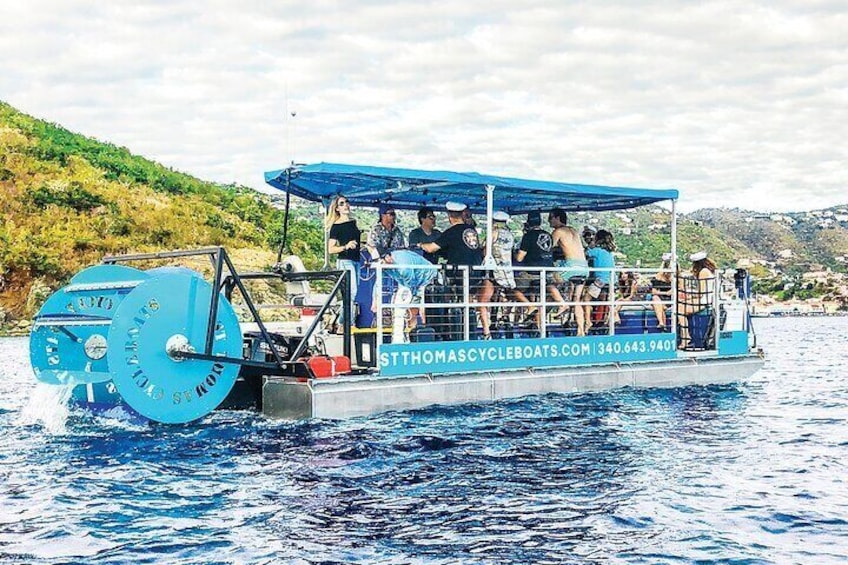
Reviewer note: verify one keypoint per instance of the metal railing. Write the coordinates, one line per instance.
(542, 303)
(682, 288)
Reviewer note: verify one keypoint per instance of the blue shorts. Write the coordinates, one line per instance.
(575, 271)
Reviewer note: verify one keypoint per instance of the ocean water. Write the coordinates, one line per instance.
(749, 473)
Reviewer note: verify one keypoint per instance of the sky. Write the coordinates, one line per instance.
(735, 104)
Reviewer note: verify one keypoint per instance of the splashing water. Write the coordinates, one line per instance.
(48, 406)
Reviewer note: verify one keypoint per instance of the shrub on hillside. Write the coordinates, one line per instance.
(72, 195)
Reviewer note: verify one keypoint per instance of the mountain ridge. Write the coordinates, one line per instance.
(68, 199)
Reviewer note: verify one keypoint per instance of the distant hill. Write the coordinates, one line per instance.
(66, 200)
(795, 241)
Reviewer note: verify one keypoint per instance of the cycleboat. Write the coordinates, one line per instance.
(172, 345)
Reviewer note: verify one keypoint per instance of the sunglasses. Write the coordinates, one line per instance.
(430, 217)
(343, 203)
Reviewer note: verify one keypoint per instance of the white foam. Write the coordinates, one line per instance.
(48, 406)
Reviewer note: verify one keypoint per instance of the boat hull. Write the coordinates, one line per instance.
(362, 396)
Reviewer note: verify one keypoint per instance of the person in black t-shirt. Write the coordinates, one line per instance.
(343, 240)
(535, 251)
(427, 232)
(460, 245)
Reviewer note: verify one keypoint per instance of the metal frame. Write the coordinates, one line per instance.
(219, 258)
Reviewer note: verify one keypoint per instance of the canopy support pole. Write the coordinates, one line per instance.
(673, 265)
(490, 190)
(284, 242)
(324, 208)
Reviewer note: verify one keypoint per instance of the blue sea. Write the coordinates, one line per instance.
(750, 473)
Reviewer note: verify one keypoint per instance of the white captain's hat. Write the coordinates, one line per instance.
(452, 206)
(666, 257)
(500, 216)
(698, 256)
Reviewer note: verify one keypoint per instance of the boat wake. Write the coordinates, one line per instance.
(49, 407)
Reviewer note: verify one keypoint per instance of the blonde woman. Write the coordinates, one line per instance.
(343, 239)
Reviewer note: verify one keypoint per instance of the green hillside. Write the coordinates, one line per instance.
(642, 235)
(66, 200)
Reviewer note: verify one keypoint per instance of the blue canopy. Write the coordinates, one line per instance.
(410, 189)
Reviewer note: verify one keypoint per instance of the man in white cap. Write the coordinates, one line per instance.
(503, 242)
(460, 245)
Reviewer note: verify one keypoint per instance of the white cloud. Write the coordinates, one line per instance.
(734, 103)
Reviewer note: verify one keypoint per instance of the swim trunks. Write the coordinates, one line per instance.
(573, 270)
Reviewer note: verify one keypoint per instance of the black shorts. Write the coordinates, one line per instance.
(476, 280)
(528, 281)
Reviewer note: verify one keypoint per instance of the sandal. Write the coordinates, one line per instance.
(487, 337)
(529, 318)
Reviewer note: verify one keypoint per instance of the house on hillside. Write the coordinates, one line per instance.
(817, 277)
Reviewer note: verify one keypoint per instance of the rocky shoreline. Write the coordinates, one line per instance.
(20, 328)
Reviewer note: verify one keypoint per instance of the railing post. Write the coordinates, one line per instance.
(673, 267)
(347, 312)
(543, 307)
(489, 261)
(325, 206)
(466, 308)
(611, 300)
(378, 285)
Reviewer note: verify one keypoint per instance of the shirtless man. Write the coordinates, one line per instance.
(569, 257)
